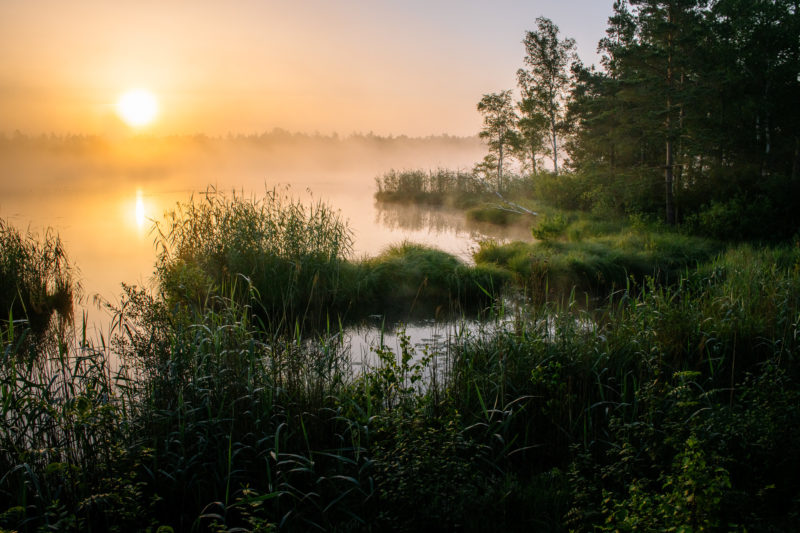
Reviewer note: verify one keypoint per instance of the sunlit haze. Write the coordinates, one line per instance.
(112, 112)
(413, 67)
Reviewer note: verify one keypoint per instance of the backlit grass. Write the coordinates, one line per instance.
(670, 405)
(290, 264)
(595, 258)
(36, 280)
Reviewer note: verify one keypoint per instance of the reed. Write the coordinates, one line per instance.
(588, 258)
(434, 187)
(286, 253)
(36, 280)
(555, 415)
(288, 263)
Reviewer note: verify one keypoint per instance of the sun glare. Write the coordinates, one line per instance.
(137, 107)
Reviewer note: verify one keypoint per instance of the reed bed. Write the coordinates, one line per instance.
(289, 263)
(594, 258)
(433, 187)
(36, 279)
(670, 406)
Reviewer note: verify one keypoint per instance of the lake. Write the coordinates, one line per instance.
(102, 196)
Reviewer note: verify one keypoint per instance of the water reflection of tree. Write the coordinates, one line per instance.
(416, 218)
(410, 217)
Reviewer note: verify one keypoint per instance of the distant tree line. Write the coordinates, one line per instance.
(692, 117)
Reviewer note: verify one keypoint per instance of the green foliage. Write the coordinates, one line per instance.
(430, 477)
(36, 279)
(550, 227)
(595, 257)
(671, 404)
(242, 432)
(439, 187)
(410, 277)
(566, 191)
(499, 129)
(288, 253)
(62, 450)
(544, 81)
(753, 210)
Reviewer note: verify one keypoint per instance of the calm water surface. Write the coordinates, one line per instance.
(102, 201)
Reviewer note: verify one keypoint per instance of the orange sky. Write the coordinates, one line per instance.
(412, 67)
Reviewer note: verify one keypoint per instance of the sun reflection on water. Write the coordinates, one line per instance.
(140, 216)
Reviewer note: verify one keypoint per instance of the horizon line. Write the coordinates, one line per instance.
(230, 135)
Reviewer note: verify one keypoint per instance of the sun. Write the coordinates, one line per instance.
(137, 107)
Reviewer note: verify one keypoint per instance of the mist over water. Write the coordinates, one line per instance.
(101, 196)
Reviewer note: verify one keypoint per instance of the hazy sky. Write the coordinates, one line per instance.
(414, 67)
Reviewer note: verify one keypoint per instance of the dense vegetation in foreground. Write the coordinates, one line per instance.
(669, 405)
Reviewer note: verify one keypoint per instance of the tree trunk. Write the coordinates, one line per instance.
(668, 169)
(555, 143)
(500, 169)
(668, 179)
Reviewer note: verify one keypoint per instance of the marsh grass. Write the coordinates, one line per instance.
(288, 263)
(36, 280)
(434, 187)
(241, 426)
(669, 395)
(61, 428)
(286, 251)
(595, 257)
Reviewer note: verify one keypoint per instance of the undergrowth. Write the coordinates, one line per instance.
(670, 406)
(595, 257)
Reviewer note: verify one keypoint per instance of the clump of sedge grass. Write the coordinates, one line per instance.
(594, 258)
(36, 279)
(289, 263)
(411, 277)
(289, 253)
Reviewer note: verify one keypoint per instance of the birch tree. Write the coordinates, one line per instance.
(499, 127)
(544, 80)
